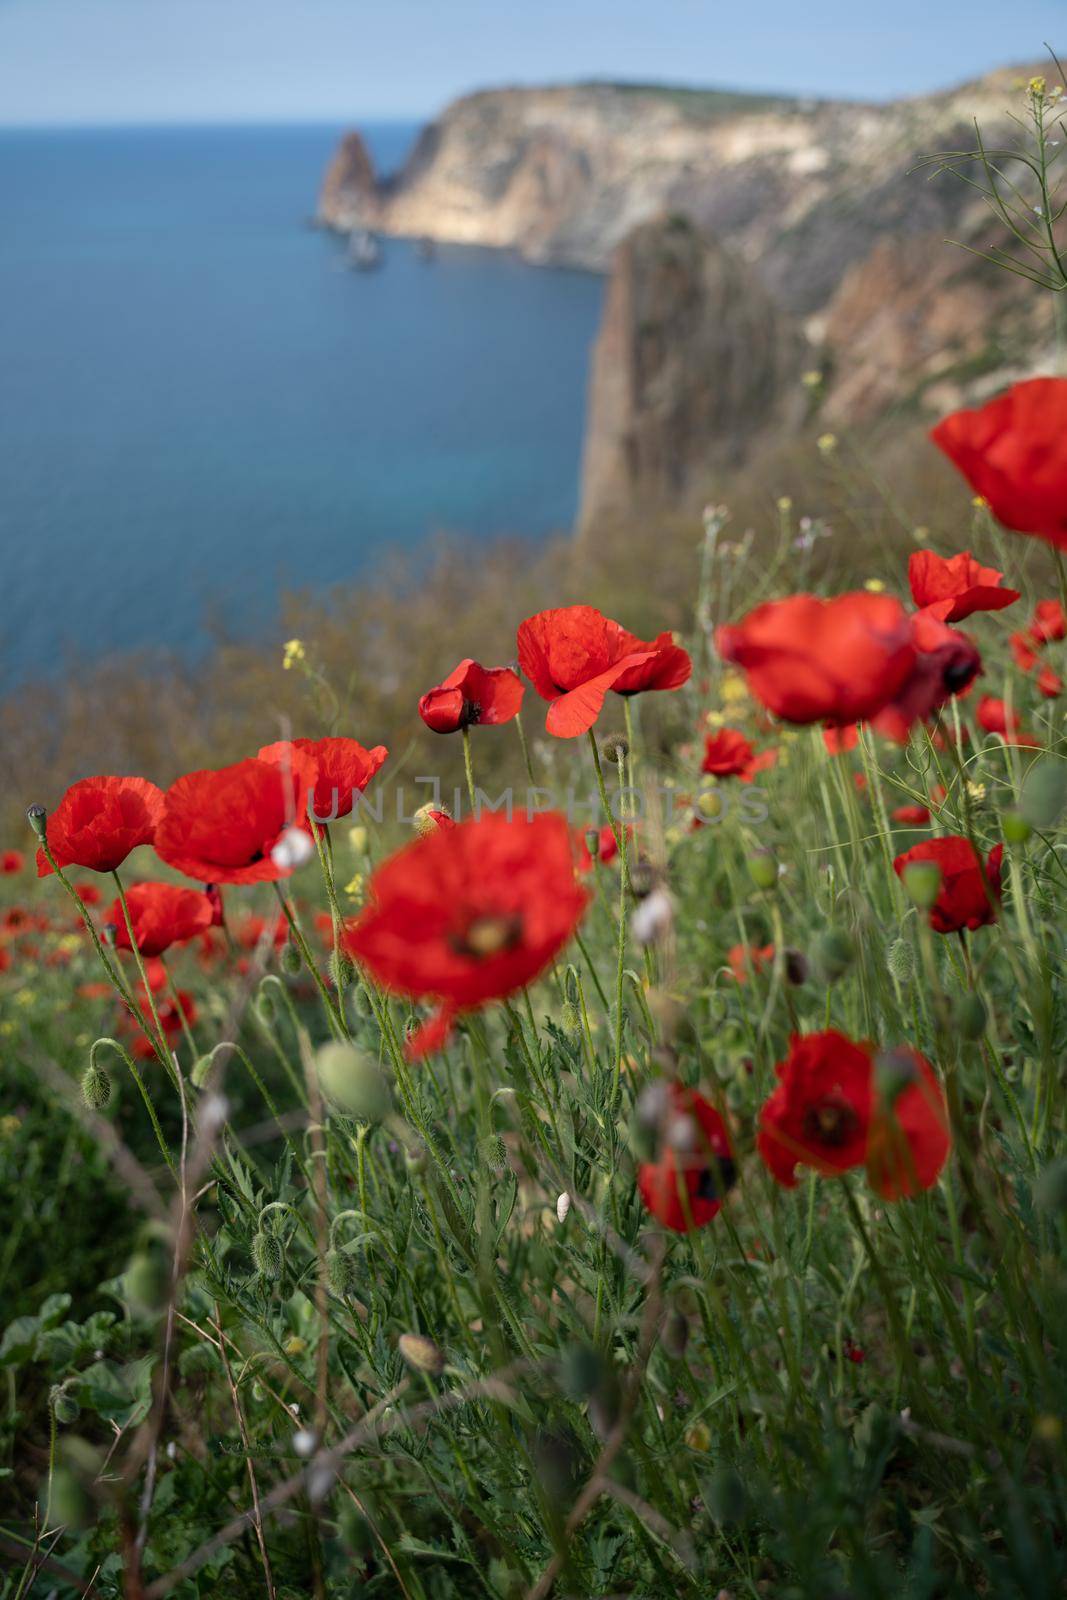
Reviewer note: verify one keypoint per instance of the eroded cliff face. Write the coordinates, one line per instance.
(693, 363)
(807, 222)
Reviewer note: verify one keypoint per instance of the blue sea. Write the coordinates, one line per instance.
(202, 405)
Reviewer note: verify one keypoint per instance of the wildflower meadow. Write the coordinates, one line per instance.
(638, 1174)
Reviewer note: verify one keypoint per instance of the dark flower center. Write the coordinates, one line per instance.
(958, 674)
(831, 1122)
(488, 936)
(716, 1179)
(471, 714)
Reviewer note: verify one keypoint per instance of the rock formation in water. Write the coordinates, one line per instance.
(811, 210)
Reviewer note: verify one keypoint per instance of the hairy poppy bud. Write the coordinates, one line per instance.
(494, 1153)
(616, 748)
(352, 1082)
(922, 880)
(290, 959)
(900, 960)
(592, 842)
(342, 970)
(65, 1408)
(340, 1272)
(96, 1087)
(970, 1016)
(37, 817)
(201, 1070)
(268, 1255)
(429, 818)
(570, 1019)
(266, 1005)
(421, 1353)
(762, 869)
(834, 954)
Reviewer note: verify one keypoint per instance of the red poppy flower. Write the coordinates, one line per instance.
(838, 740)
(836, 1107)
(343, 770)
(469, 914)
(88, 893)
(222, 827)
(99, 821)
(574, 655)
(12, 861)
(5, 959)
(472, 696)
(993, 716)
(1013, 452)
(908, 1140)
(1047, 623)
(956, 588)
(685, 1188)
(962, 900)
(1049, 683)
(911, 816)
(728, 754)
(741, 958)
(820, 1112)
(1023, 652)
(162, 914)
(946, 664)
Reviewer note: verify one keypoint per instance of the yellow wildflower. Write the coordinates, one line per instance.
(293, 653)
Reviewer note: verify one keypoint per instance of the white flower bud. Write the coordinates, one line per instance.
(563, 1205)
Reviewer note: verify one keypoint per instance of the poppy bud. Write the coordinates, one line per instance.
(494, 1153)
(352, 1082)
(900, 960)
(201, 1070)
(970, 1017)
(342, 970)
(96, 1087)
(1050, 1190)
(675, 1335)
(290, 959)
(429, 818)
(834, 954)
(37, 817)
(340, 1272)
(1015, 828)
(922, 880)
(616, 748)
(570, 1018)
(762, 869)
(268, 1255)
(65, 1408)
(592, 842)
(421, 1353)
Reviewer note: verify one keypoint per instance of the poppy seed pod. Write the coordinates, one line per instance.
(352, 1082)
(37, 817)
(268, 1255)
(96, 1087)
(421, 1353)
(616, 748)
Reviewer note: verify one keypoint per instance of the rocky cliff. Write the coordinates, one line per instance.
(813, 223)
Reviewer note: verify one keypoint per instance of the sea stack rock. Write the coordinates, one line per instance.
(349, 197)
(693, 361)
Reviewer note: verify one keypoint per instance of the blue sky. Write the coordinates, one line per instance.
(245, 60)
